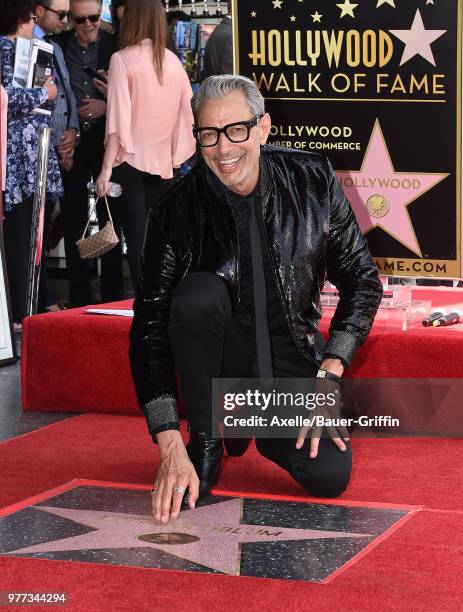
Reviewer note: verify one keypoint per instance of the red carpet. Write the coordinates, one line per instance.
(55, 342)
(417, 568)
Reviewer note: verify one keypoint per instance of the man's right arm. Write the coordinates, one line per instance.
(151, 359)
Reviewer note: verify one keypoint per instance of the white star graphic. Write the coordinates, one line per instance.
(217, 532)
(381, 2)
(253, 14)
(347, 8)
(429, 2)
(418, 40)
(293, 18)
(316, 17)
(277, 3)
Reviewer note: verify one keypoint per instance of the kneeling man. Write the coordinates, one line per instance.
(234, 260)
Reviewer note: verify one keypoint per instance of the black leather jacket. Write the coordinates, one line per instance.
(310, 231)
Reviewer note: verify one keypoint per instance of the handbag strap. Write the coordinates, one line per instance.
(93, 209)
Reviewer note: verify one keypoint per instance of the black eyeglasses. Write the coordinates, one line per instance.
(235, 132)
(62, 15)
(91, 18)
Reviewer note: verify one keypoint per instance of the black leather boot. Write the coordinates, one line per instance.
(205, 454)
(236, 447)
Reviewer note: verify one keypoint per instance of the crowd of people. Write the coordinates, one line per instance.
(120, 112)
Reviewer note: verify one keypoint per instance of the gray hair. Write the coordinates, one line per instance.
(221, 85)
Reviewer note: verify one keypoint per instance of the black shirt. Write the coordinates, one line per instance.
(281, 341)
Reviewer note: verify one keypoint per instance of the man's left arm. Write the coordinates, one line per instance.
(351, 269)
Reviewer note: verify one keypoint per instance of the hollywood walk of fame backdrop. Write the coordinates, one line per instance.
(267, 538)
(375, 86)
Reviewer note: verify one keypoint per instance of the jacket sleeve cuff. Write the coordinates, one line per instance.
(161, 414)
(341, 345)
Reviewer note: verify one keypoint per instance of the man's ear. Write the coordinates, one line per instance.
(265, 124)
(39, 11)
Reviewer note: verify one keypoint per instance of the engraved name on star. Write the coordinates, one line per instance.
(380, 195)
(217, 531)
(418, 40)
(277, 4)
(347, 8)
(316, 17)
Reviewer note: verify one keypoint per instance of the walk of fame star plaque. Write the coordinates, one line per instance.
(237, 536)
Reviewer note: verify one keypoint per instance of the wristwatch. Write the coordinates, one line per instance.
(328, 375)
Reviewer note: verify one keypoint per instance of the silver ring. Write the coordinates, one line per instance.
(154, 491)
(89, 114)
(179, 489)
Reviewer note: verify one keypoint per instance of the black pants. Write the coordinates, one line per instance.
(207, 343)
(17, 226)
(140, 190)
(88, 158)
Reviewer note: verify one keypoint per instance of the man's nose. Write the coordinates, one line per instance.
(224, 144)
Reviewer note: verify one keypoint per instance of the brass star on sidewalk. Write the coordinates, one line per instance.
(277, 3)
(347, 8)
(316, 17)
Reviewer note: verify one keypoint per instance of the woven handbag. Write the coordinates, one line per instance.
(99, 243)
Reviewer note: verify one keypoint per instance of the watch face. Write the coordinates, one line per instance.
(321, 374)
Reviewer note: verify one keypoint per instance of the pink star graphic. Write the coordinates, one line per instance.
(217, 529)
(418, 40)
(379, 195)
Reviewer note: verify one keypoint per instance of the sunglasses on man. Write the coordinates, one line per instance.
(62, 15)
(82, 20)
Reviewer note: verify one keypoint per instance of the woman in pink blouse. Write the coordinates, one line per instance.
(149, 120)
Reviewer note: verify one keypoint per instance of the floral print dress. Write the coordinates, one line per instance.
(23, 130)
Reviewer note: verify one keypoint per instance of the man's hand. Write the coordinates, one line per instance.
(66, 163)
(51, 88)
(67, 143)
(92, 108)
(339, 435)
(176, 469)
(102, 87)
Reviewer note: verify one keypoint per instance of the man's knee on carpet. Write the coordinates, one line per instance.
(327, 475)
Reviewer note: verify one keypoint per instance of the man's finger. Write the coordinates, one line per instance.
(339, 443)
(166, 501)
(334, 435)
(178, 497)
(301, 437)
(314, 442)
(193, 490)
(157, 498)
